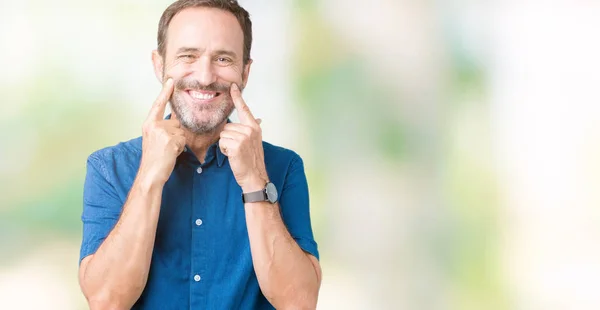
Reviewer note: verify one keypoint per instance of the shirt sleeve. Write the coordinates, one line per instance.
(101, 207)
(295, 210)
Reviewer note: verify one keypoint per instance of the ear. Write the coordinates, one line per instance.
(157, 62)
(246, 73)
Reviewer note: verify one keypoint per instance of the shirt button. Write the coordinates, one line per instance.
(198, 222)
(197, 278)
(199, 170)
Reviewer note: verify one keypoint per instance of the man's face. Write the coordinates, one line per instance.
(204, 55)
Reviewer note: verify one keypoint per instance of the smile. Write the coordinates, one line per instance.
(203, 96)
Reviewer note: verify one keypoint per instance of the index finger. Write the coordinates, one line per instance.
(242, 108)
(158, 108)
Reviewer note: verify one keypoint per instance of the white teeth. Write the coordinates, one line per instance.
(201, 96)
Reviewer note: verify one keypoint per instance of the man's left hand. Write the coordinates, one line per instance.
(242, 144)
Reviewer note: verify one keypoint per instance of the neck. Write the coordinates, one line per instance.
(199, 143)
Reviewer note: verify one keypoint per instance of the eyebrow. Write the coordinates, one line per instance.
(226, 52)
(188, 50)
(197, 50)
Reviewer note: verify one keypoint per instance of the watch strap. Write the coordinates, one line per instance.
(254, 196)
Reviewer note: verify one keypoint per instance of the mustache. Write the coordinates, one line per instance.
(197, 86)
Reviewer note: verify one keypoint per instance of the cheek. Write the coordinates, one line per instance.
(229, 74)
(177, 70)
(175, 74)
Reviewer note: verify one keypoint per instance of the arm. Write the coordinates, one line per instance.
(288, 277)
(116, 274)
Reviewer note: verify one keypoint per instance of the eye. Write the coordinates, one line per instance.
(223, 60)
(186, 57)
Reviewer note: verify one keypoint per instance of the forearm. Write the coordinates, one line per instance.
(286, 275)
(116, 274)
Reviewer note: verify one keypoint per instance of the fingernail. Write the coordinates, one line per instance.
(234, 87)
(169, 80)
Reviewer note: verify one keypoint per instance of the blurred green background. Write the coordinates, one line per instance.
(452, 147)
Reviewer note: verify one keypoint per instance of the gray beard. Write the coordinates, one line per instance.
(217, 112)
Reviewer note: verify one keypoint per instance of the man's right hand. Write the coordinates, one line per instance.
(162, 140)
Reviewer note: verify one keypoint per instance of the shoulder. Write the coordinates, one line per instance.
(284, 166)
(131, 147)
(279, 155)
(125, 153)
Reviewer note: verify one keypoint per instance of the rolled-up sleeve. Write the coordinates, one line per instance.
(101, 207)
(295, 207)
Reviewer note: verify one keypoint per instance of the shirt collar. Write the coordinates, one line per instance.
(220, 156)
(213, 148)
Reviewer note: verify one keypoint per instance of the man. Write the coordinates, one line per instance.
(199, 212)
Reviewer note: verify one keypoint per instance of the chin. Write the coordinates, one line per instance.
(204, 117)
(204, 121)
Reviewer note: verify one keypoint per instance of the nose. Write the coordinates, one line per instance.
(204, 71)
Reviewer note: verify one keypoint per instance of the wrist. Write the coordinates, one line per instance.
(148, 182)
(254, 184)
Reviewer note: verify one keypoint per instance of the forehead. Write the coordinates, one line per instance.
(205, 28)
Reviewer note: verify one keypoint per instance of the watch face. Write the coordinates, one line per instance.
(271, 192)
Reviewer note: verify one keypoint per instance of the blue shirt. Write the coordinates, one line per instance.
(201, 257)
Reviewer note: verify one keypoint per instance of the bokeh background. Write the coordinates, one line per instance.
(452, 147)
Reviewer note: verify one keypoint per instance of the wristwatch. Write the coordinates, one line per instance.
(269, 193)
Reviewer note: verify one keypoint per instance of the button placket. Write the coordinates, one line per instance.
(198, 291)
